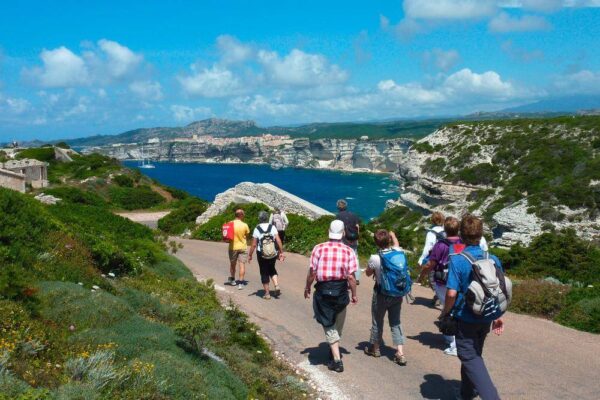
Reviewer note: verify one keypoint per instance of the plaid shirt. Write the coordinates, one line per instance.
(333, 260)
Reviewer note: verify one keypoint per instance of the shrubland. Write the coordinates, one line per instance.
(92, 306)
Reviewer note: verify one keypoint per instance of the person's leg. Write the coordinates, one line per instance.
(393, 309)
(264, 274)
(274, 276)
(474, 374)
(242, 259)
(232, 264)
(440, 291)
(377, 315)
(333, 334)
(281, 236)
(358, 273)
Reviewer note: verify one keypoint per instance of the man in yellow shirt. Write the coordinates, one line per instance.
(238, 249)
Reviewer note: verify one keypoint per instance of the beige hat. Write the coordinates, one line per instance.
(336, 229)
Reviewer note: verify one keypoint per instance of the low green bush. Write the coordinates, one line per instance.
(134, 198)
(582, 309)
(539, 298)
(45, 154)
(123, 180)
(183, 217)
(76, 195)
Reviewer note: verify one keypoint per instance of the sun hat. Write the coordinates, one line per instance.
(336, 229)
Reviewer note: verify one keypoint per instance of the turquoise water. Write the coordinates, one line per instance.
(366, 193)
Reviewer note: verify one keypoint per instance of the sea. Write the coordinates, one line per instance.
(366, 193)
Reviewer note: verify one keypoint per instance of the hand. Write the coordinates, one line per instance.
(307, 293)
(441, 316)
(354, 299)
(498, 326)
(249, 258)
(281, 257)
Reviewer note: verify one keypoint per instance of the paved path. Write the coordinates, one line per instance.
(150, 219)
(533, 359)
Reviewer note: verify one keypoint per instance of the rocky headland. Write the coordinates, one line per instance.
(524, 176)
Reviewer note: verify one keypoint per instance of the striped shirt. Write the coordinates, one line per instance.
(333, 260)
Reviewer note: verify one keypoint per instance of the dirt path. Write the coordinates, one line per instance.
(149, 219)
(534, 359)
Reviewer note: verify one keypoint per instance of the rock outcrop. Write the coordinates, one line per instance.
(272, 196)
(339, 154)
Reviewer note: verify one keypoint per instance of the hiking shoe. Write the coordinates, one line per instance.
(370, 352)
(241, 285)
(336, 365)
(267, 296)
(451, 351)
(231, 281)
(277, 291)
(400, 359)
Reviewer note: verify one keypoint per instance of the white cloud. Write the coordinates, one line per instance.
(233, 51)
(147, 90)
(547, 5)
(121, 61)
(448, 9)
(15, 105)
(443, 60)
(581, 82)
(211, 82)
(503, 23)
(521, 54)
(488, 84)
(261, 106)
(188, 114)
(61, 68)
(300, 69)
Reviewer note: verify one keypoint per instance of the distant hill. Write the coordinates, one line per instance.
(229, 128)
(568, 104)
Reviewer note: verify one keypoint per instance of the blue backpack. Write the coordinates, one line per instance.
(395, 275)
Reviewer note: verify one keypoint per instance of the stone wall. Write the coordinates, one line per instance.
(272, 196)
(12, 180)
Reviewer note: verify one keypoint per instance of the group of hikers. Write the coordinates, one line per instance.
(468, 282)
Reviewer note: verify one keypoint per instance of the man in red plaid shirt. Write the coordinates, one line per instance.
(333, 265)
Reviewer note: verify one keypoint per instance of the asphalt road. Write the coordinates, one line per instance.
(533, 359)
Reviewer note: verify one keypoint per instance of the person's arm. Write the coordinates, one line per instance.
(286, 222)
(370, 265)
(425, 268)
(449, 303)
(395, 242)
(498, 326)
(271, 218)
(252, 248)
(429, 243)
(280, 247)
(352, 283)
(310, 278)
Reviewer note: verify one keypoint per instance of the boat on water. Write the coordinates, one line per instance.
(276, 165)
(145, 162)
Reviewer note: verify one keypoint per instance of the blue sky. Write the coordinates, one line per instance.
(68, 70)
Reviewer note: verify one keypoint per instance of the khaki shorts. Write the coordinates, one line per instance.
(238, 256)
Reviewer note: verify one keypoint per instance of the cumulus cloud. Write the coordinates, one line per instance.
(147, 90)
(183, 113)
(211, 82)
(448, 9)
(443, 60)
(300, 69)
(233, 51)
(61, 68)
(261, 106)
(121, 61)
(548, 5)
(504, 23)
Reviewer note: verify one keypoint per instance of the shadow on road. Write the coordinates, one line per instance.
(433, 340)
(436, 387)
(386, 351)
(423, 301)
(320, 355)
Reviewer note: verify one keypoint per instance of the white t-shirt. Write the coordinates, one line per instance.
(257, 235)
(375, 263)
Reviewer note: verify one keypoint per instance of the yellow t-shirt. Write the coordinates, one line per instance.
(240, 232)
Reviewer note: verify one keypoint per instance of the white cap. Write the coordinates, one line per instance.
(336, 229)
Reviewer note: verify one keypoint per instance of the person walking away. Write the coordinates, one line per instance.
(352, 226)
(387, 266)
(238, 249)
(333, 265)
(280, 220)
(268, 246)
(434, 233)
(438, 264)
(472, 328)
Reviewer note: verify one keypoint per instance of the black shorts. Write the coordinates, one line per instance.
(281, 236)
(267, 268)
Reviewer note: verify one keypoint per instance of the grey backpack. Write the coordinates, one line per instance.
(490, 291)
(268, 246)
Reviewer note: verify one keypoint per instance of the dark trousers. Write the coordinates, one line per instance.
(281, 236)
(267, 268)
(473, 372)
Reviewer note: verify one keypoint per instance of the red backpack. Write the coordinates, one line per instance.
(228, 231)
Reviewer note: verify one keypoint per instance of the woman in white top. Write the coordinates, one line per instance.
(280, 221)
(266, 264)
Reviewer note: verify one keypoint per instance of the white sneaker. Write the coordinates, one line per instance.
(241, 286)
(451, 351)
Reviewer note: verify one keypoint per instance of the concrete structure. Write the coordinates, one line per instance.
(34, 173)
(12, 180)
(64, 155)
(272, 196)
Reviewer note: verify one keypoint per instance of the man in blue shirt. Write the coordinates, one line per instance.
(472, 330)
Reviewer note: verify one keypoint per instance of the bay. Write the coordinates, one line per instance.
(366, 193)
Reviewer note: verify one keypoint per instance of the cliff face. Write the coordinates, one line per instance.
(523, 177)
(342, 154)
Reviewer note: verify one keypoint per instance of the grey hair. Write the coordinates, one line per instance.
(342, 204)
(263, 217)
